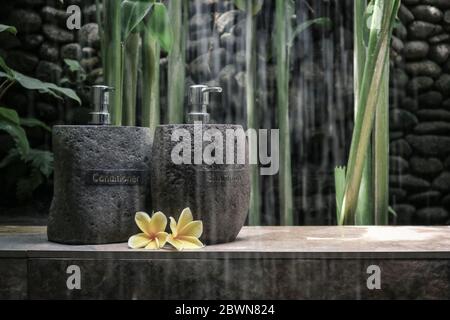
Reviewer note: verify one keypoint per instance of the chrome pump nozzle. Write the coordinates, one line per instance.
(100, 100)
(199, 102)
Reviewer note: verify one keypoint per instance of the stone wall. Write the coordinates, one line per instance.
(42, 43)
(420, 114)
(321, 91)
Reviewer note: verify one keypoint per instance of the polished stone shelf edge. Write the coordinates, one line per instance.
(254, 243)
(264, 263)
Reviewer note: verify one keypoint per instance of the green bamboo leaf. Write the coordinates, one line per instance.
(255, 5)
(133, 13)
(378, 50)
(10, 29)
(10, 115)
(305, 25)
(392, 211)
(339, 181)
(32, 123)
(160, 27)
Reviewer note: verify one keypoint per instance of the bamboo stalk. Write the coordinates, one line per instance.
(131, 65)
(364, 211)
(379, 41)
(282, 80)
(99, 16)
(113, 56)
(381, 154)
(177, 57)
(150, 77)
(252, 122)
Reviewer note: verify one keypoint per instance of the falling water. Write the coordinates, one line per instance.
(321, 92)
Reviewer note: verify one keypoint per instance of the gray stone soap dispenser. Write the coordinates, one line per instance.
(187, 171)
(101, 178)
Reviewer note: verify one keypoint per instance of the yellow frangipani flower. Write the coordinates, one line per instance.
(154, 236)
(185, 234)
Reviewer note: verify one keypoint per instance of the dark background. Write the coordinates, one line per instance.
(321, 97)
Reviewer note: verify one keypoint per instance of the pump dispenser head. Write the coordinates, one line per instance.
(100, 100)
(199, 102)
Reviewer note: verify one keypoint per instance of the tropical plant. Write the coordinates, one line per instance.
(159, 35)
(362, 189)
(285, 34)
(127, 26)
(38, 162)
(74, 67)
(252, 8)
(178, 12)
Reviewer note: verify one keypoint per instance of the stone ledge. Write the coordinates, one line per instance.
(255, 242)
(265, 263)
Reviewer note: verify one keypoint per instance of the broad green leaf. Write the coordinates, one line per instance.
(32, 122)
(9, 115)
(43, 87)
(305, 25)
(133, 13)
(69, 93)
(9, 73)
(12, 156)
(10, 29)
(18, 134)
(255, 5)
(159, 26)
(41, 160)
(74, 65)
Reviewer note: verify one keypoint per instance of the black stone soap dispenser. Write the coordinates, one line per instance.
(188, 172)
(101, 178)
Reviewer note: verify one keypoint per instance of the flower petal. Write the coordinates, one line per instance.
(173, 226)
(152, 245)
(158, 223)
(192, 229)
(182, 243)
(185, 218)
(192, 242)
(162, 238)
(175, 243)
(138, 241)
(143, 222)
